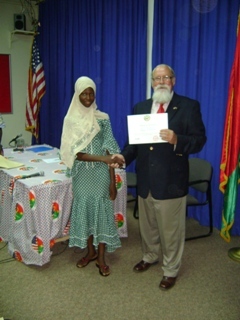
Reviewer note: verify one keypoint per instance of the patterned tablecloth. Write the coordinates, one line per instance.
(35, 211)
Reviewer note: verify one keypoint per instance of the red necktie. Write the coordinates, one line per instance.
(161, 109)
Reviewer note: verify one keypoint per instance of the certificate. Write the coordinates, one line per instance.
(145, 128)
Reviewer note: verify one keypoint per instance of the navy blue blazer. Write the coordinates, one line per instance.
(161, 169)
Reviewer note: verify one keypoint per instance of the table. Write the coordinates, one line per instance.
(35, 212)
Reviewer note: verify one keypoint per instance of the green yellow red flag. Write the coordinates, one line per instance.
(230, 159)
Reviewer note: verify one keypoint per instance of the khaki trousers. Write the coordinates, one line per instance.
(162, 228)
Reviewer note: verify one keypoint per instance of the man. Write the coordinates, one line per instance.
(162, 175)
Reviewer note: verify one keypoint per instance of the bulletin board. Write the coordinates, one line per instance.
(5, 84)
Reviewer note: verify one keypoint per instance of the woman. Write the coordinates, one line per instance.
(2, 125)
(86, 144)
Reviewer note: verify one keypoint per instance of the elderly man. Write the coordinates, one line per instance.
(162, 175)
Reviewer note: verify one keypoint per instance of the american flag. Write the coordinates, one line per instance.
(35, 92)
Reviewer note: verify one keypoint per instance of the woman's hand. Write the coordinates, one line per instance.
(118, 161)
(115, 160)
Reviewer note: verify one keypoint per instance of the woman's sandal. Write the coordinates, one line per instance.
(104, 270)
(83, 262)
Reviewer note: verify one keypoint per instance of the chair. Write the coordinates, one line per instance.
(132, 183)
(200, 176)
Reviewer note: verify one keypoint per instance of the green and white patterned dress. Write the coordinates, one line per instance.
(2, 123)
(92, 209)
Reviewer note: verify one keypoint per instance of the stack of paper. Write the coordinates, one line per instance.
(9, 164)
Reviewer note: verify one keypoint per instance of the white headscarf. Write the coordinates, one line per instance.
(80, 125)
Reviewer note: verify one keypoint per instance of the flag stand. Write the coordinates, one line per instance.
(234, 253)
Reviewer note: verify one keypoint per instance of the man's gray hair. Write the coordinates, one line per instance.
(164, 65)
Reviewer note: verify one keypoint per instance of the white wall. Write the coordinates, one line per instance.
(19, 49)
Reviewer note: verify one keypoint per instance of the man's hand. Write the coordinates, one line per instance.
(118, 161)
(168, 135)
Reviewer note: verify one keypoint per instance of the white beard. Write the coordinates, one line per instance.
(161, 94)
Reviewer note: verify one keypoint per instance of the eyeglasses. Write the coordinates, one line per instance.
(163, 78)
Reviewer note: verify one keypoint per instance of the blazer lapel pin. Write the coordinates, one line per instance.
(174, 108)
